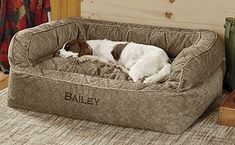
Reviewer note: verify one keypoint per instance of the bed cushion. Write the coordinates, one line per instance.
(40, 81)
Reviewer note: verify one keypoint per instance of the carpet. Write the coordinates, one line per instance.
(19, 127)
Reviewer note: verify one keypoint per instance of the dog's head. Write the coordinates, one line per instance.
(78, 46)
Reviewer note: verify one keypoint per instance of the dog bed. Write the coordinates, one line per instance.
(41, 81)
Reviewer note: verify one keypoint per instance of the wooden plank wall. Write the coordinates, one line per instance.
(65, 8)
(204, 14)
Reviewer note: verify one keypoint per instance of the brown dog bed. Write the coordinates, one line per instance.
(40, 81)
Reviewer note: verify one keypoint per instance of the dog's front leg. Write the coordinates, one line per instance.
(123, 69)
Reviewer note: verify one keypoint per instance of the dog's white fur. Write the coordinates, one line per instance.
(139, 60)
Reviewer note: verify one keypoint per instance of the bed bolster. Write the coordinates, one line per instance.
(197, 63)
(34, 45)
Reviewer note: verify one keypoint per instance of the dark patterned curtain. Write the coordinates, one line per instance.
(16, 15)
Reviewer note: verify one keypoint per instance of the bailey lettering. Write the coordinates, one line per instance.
(81, 99)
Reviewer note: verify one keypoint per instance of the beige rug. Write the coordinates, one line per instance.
(31, 128)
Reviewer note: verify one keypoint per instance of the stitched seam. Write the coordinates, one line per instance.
(175, 29)
(182, 70)
(83, 84)
(193, 31)
(188, 61)
(53, 27)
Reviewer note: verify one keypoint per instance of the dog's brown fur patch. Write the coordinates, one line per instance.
(84, 49)
(78, 46)
(117, 51)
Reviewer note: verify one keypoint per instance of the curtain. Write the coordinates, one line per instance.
(16, 15)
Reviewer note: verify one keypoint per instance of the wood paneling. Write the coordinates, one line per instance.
(65, 8)
(55, 9)
(3, 81)
(203, 14)
(74, 8)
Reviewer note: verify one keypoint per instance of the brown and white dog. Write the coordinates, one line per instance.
(138, 60)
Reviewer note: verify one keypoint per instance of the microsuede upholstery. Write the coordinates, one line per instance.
(42, 82)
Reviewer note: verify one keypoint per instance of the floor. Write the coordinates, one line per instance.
(3, 81)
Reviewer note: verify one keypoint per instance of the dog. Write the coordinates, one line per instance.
(137, 60)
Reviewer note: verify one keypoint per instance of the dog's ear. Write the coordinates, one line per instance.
(84, 48)
(71, 43)
(75, 48)
(117, 51)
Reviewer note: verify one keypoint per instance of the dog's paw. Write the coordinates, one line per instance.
(134, 79)
(135, 74)
(67, 54)
(82, 59)
(149, 80)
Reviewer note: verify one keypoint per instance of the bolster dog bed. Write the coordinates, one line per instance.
(41, 81)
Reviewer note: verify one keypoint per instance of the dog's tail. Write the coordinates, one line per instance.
(159, 76)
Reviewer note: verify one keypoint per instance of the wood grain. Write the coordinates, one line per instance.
(200, 14)
(74, 8)
(55, 9)
(227, 111)
(61, 9)
(64, 9)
